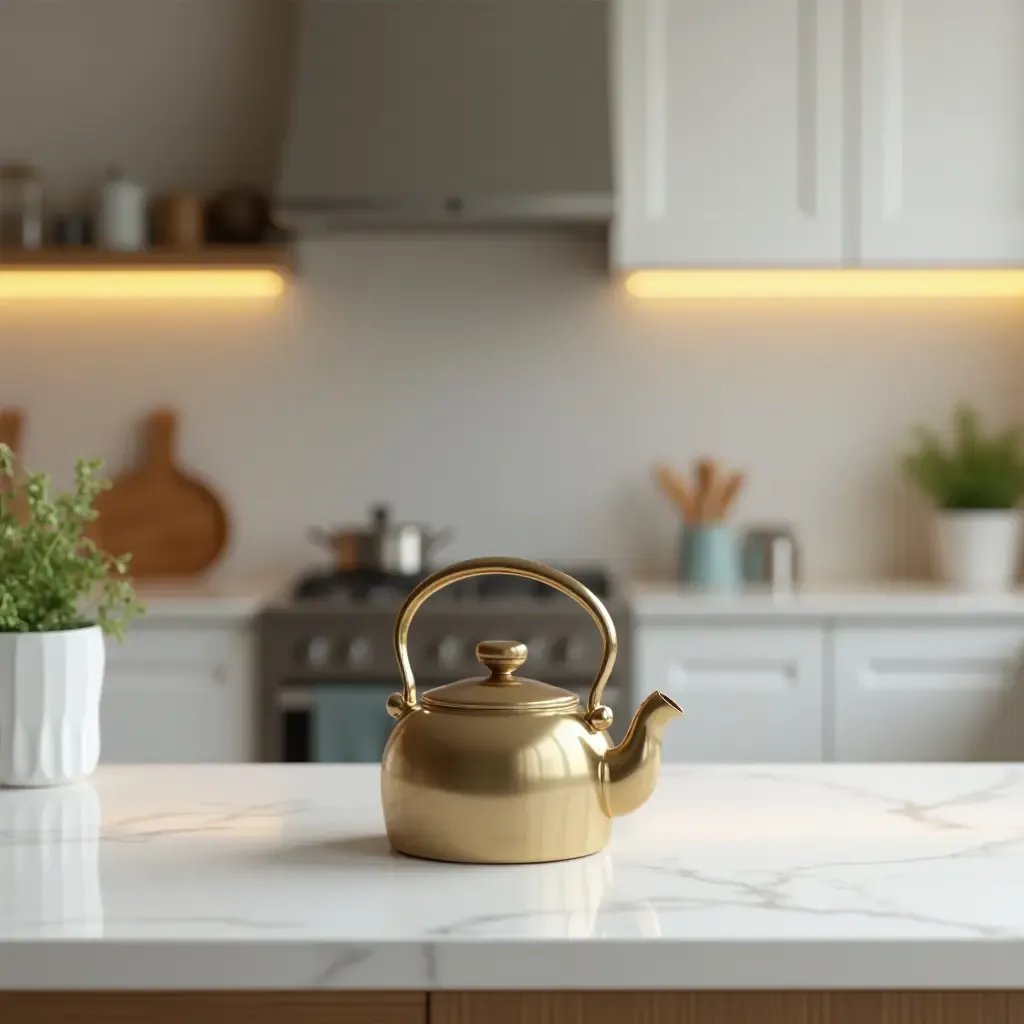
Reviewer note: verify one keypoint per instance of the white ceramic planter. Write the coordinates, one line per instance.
(979, 550)
(50, 686)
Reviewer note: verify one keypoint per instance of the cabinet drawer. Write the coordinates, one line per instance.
(750, 694)
(929, 694)
(159, 653)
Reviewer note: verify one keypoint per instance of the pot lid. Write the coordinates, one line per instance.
(503, 690)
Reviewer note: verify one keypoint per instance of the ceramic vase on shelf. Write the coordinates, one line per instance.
(978, 549)
(50, 686)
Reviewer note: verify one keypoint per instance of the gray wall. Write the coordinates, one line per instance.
(500, 383)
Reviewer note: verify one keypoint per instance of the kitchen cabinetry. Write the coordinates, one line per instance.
(941, 160)
(837, 690)
(751, 694)
(929, 694)
(819, 132)
(729, 116)
(512, 1007)
(180, 692)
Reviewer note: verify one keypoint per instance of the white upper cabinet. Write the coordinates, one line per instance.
(819, 132)
(941, 97)
(728, 119)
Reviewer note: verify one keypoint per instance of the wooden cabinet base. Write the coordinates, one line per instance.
(727, 1008)
(213, 1007)
(512, 1007)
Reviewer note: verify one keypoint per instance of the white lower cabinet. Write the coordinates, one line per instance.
(176, 693)
(750, 694)
(935, 693)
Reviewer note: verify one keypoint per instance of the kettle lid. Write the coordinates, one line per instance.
(502, 690)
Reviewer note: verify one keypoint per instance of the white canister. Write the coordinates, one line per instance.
(121, 218)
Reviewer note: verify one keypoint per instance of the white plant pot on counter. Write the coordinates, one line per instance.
(50, 685)
(978, 550)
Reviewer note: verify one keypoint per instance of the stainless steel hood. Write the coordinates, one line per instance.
(448, 112)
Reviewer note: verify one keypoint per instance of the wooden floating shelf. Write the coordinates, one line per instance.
(270, 257)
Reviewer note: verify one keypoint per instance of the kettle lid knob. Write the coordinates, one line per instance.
(502, 657)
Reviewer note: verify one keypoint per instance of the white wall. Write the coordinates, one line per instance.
(499, 383)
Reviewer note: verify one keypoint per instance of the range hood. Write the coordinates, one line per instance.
(447, 112)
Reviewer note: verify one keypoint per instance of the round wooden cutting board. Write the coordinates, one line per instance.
(170, 522)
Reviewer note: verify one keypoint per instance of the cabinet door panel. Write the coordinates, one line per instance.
(942, 131)
(929, 694)
(750, 694)
(728, 146)
(182, 695)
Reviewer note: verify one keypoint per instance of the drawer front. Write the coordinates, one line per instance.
(179, 696)
(929, 694)
(749, 694)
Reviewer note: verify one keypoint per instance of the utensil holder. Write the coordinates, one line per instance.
(709, 557)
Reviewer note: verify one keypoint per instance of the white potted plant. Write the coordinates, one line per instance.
(976, 482)
(58, 595)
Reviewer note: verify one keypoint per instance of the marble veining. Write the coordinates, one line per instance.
(253, 876)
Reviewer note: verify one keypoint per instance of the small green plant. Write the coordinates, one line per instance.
(52, 576)
(974, 471)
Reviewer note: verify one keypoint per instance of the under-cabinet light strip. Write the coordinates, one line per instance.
(32, 283)
(827, 284)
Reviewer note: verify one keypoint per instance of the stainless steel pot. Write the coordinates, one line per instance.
(405, 549)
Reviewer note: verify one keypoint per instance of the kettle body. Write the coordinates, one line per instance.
(505, 769)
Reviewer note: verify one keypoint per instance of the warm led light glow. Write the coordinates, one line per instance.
(827, 284)
(155, 283)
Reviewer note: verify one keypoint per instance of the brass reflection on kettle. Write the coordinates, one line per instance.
(504, 769)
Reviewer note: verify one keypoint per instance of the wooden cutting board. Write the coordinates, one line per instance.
(12, 422)
(171, 523)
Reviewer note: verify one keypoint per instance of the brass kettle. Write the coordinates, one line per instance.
(507, 770)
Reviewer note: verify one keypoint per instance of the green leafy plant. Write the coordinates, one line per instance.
(52, 576)
(973, 471)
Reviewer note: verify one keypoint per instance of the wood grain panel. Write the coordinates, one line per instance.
(727, 1008)
(920, 1008)
(213, 1007)
(630, 1008)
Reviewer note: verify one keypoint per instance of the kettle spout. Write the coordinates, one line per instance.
(630, 770)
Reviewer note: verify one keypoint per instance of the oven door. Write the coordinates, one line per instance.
(333, 722)
(347, 722)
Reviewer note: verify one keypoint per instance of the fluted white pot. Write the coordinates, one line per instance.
(50, 686)
(978, 550)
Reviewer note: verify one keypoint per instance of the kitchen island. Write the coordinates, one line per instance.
(814, 893)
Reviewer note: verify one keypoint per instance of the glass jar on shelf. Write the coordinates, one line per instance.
(21, 206)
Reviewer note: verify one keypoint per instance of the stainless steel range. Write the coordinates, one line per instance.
(328, 664)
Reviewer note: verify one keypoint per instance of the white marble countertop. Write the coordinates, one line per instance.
(270, 876)
(880, 601)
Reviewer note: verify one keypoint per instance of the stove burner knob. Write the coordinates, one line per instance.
(318, 652)
(450, 652)
(571, 652)
(359, 651)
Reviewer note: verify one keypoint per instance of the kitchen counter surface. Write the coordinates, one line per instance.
(272, 876)
(205, 599)
(667, 601)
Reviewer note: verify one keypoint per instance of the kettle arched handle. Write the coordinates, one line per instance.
(598, 716)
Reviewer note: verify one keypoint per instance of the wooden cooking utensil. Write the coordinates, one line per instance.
(730, 492)
(707, 484)
(170, 522)
(674, 486)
